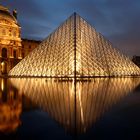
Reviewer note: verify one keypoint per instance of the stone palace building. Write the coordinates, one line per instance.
(12, 47)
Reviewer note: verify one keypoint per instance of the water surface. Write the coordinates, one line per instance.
(100, 108)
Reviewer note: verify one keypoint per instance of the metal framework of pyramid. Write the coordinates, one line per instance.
(75, 49)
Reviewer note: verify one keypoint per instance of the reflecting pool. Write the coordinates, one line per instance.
(99, 108)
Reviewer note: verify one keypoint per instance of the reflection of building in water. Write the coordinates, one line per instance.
(76, 111)
(10, 107)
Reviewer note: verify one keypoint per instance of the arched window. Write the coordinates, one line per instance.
(4, 52)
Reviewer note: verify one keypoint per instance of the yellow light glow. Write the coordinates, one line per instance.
(75, 41)
(77, 104)
(2, 84)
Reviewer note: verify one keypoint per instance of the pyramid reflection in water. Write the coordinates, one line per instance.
(75, 49)
(75, 107)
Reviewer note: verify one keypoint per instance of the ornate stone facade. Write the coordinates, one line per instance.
(10, 41)
(12, 47)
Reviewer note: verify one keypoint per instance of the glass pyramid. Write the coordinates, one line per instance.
(75, 49)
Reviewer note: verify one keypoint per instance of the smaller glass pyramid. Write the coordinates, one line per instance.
(75, 49)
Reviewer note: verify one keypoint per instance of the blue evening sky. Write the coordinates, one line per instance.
(117, 20)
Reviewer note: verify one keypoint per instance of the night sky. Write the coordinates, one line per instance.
(117, 20)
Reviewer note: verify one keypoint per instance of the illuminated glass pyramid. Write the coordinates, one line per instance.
(75, 49)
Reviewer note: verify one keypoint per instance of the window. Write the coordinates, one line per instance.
(15, 54)
(4, 52)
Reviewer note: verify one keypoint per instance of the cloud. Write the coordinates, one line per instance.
(116, 19)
